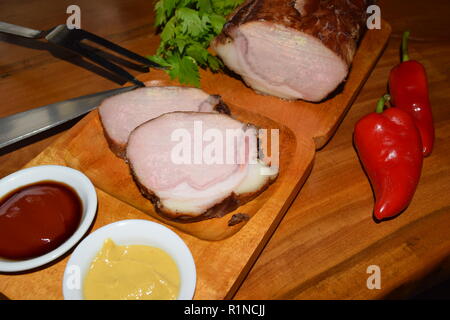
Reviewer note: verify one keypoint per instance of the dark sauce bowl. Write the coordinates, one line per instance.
(67, 178)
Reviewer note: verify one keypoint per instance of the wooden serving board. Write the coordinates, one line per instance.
(221, 264)
(87, 150)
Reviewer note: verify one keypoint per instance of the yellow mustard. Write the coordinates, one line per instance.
(130, 273)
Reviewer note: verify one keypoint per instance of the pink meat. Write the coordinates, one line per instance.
(214, 163)
(151, 146)
(122, 113)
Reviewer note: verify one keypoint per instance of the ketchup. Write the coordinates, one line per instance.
(37, 218)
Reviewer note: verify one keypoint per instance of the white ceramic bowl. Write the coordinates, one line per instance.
(129, 232)
(71, 177)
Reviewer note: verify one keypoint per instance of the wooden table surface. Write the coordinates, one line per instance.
(327, 239)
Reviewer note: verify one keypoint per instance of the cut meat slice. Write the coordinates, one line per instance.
(173, 147)
(195, 166)
(293, 49)
(122, 113)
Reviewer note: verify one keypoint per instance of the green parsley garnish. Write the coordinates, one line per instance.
(187, 29)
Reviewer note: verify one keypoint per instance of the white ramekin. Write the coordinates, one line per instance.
(71, 177)
(129, 232)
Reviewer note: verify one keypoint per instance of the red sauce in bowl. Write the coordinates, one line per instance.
(37, 218)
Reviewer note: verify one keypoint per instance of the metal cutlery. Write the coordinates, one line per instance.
(23, 125)
(71, 39)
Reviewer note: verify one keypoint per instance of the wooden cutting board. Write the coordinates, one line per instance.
(87, 151)
(221, 264)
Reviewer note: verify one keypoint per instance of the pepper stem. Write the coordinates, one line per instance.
(381, 103)
(405, 55)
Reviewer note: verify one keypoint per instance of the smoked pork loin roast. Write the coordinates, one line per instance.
(122, 113)
(144, 127)
(293, 49)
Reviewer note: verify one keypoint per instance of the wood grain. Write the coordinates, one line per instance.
(87, 151)
(221, 265)
(335, 239)
(85, 148)
(327, 239)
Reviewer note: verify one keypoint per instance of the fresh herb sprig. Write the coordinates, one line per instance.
(187, 29)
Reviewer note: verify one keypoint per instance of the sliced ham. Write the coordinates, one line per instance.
(185, 164)
(299, 49)
(122, 113)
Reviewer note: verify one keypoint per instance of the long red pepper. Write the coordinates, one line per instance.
(390, 148)
(408, 86)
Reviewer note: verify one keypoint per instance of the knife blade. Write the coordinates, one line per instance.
(25, 124)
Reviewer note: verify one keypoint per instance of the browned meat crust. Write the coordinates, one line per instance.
(117, 148)
(229, 204)
(238, 218)
(339, 24)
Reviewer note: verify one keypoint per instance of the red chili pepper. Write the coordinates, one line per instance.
(408, 86)
(389, 146)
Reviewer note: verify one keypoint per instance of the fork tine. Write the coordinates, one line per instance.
(71, 39)
(116, 59)
(114, 47)
(104, 63)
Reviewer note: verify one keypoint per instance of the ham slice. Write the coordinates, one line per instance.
(299, 49)
(122, 113)
(195, 166)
